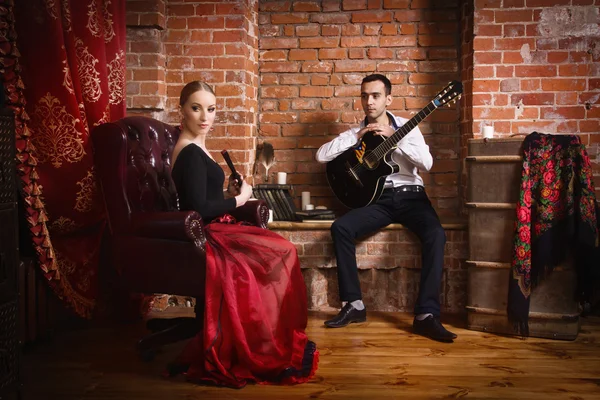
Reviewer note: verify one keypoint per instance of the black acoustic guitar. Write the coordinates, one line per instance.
(357, 175)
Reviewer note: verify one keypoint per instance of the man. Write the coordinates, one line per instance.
(403, 201)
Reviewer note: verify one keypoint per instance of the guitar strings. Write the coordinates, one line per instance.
(381, 150)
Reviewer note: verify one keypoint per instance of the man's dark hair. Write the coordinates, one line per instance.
(381, 78)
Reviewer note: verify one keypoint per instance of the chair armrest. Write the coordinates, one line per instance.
(176, 225)
(254, 211)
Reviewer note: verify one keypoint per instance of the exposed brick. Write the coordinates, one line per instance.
(228, 36)
(514, 43)
(297, 54)
(330, 30)
(436, 40)
(279, 91)
(559, 85)
(503, 16)
(332, 54)
(354, 66)
(311, 91)
(279, 43)
(395, 4)
(307, 6)
(349, 5)
(532, 98)
(397, 41)
(274, 55)
(351, 30)
(372, 16)
(576, 112)
(574, 70)
(358, 41)
(377, 53)
(330, 18)
(411, 54)
(280, 67)
(356, 53)
(533, 71)
(308, 30)
(314, 66)
(294, 18)
(486, 86)
(488, 30)
(407, 16)
(206, 22)
(316, 43)
(276, 6)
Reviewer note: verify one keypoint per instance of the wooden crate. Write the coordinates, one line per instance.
(494, 168)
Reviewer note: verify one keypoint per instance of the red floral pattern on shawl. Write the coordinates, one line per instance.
(556, 207)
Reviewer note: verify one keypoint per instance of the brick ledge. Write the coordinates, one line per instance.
(326, 225)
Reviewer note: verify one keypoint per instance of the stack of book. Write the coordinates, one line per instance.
(278, 199)
(315, 215)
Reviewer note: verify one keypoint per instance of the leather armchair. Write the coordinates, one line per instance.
(154, 247)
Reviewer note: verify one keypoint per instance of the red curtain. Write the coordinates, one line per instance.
(73, 73)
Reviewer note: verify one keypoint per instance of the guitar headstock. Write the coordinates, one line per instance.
(449, 94)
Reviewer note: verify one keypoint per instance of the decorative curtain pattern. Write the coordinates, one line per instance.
(73, 69)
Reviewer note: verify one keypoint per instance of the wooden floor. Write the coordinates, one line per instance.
(380, 359)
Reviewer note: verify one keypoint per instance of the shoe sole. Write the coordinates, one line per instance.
(443, 340)
(355, 321)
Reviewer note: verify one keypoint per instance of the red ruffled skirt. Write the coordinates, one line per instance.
(256, 312)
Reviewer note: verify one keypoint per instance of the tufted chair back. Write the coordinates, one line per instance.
(136, 168)
(155, 247)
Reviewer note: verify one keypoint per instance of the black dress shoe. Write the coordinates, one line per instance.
(347, 315)
(432, 328)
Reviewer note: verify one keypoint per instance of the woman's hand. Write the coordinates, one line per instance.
(233, 188)
(245, 194)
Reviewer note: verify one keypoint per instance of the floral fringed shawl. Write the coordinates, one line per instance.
(555, 215)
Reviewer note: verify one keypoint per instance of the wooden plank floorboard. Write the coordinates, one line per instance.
(380, 359)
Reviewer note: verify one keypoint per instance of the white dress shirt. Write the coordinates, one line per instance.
(411, 154)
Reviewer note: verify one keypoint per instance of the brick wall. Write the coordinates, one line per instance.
(537, 68)
(389, 268)
(297, 67)
(313, 56)
(174, 42)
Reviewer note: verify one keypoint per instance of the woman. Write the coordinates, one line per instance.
(256, 309)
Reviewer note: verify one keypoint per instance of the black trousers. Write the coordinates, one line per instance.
(414, 211)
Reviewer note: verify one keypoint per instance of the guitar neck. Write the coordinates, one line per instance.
(393, 140)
